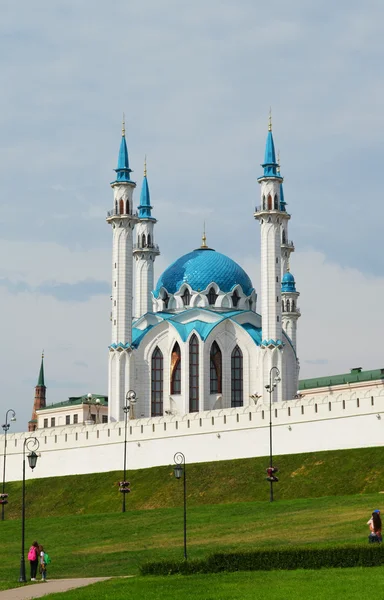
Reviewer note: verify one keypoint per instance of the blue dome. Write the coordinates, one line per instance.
(202, 267)
(288, 283)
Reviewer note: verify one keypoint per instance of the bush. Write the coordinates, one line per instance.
(268, 560)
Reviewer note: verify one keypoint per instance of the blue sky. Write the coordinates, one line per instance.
(195, 82)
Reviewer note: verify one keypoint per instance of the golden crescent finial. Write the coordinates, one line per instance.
(123, 127)
(145, 165)
(270, 120)
(42, 354)
(204, 239)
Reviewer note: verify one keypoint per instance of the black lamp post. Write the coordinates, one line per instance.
(130, 399)
(179, 470)
(270, 389)
(32, 444)
(6, 426)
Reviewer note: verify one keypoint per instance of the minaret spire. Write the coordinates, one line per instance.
(144, 251)
(123, 219)
(40, 393)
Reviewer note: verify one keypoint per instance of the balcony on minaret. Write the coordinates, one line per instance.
(147, 246)
(118, 212)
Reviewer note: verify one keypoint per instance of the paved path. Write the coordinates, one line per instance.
(37, 590)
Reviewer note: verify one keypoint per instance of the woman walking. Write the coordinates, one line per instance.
(375, 528)
(33, 557)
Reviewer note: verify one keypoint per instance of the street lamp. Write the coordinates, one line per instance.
(32, 444)
(5, 426)
(270, 389)
(179, 471)
(130, 399)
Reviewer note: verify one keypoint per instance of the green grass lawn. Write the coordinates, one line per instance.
(117, 543)
(336, 473)
(327, 584)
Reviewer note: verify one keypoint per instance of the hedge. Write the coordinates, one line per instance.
(269, 560)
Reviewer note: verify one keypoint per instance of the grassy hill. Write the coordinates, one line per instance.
(336, 473)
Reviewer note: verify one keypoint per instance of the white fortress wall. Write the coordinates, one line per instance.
(321, 420)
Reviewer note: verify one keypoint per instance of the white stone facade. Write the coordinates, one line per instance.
(342, 417)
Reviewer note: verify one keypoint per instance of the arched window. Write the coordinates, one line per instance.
(121, 206)
(283, 237)
(293, 305)
(193, 374)
(264, 203)
(269, 202)
(212, 296)
(116, 207)
(157, 383)
(276, 203)
(186, 297)
(288, 306)
(215, 369)
(165, 299)
(282, 305)
(143, 240)
(235, 298)
(236, 377)
(127, 207)
(176, 370)
(149, 240)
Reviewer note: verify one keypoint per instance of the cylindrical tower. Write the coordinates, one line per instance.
(122, 218)
(271, 218)
(144, 251)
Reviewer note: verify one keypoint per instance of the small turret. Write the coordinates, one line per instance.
(40, 397)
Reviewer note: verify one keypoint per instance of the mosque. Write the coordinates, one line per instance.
(195, 341)
(203, 360)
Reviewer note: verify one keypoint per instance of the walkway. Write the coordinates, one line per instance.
(38, 590)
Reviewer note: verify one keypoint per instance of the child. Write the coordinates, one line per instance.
(33, 558)
(43, 566)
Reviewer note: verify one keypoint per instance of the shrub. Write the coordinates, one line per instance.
(268, 560)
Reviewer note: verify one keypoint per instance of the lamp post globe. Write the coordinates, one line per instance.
(130, 399)
(270, 387)
(180, 471)
(32, 444)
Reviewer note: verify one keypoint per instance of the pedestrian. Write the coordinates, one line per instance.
(375, 528)
(43, 564)
(33, 557)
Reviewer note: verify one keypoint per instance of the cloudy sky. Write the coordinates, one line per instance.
(195, 81)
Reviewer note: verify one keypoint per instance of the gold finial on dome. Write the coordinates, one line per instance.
(123, 127)
(270, 120)
(145, 165)
(278, 162)
(42, 354)
(204, 239)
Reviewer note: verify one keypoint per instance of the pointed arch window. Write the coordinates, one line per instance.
(176, 370)
(116, 207)
(237, 377)
(288, 306)
(193, 374)
(276, 202)
(157, 380)
(264, 203)
(143, 240)
(215, 369)
(235, 298)
(149, 240)
(269, 202)
(121, 206)
(284, 237)
(212, 296)
(186, 297)
(127, 207)
(165, 299)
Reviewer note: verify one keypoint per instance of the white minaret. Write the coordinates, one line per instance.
(123, 219)
(290, 315)
(144, 252)
(287, 246)
(271, 219)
